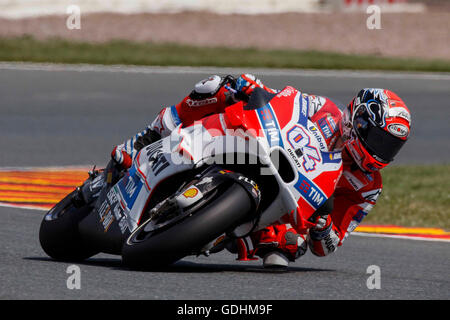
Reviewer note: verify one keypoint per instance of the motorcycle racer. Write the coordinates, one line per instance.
(370, 131)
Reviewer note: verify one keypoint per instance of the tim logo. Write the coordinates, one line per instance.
(130, 186)
(270, 126)
(299, 139)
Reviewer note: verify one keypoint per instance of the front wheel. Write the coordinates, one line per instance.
(58, 234)
(147, 247)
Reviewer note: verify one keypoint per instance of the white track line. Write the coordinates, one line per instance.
(22, 207)
(359, 234)
(25, 66)
(394, 236)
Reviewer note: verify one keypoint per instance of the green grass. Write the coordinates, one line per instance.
(416, 196)
(123, 52)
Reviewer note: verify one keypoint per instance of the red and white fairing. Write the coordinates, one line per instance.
(317, 170)
(280, 127)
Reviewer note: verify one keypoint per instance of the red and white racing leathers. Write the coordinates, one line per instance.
(356, 191)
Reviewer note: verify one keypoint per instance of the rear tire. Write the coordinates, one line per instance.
(59, 236)
(209, 222)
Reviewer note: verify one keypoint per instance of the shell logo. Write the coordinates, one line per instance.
(190, 193)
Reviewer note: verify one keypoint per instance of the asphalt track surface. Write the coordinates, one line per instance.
(56, 116)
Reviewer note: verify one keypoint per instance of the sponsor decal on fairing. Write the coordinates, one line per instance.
(299, 138)
(130, 186)
(310, 192)
(270, 125)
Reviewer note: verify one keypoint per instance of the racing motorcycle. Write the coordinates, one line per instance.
(202, 187)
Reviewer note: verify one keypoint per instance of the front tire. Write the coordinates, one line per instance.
(58, 234)
(209, 222)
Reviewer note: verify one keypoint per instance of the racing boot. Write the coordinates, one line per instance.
(278, 245)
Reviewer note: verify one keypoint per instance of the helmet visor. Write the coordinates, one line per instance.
(380, 144)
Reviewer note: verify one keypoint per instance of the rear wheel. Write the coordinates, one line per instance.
(148, 246)
(58, 234)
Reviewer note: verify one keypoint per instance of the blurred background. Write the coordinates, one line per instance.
(408, 28)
